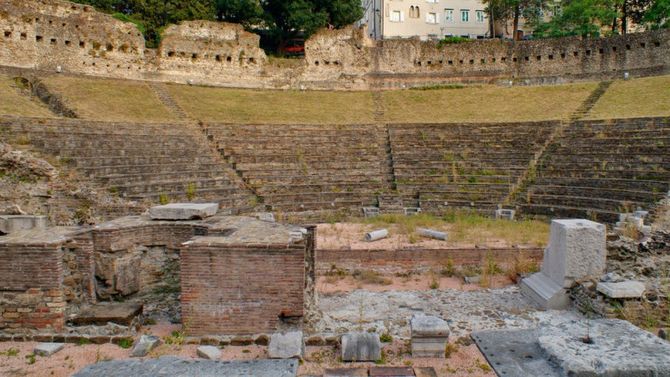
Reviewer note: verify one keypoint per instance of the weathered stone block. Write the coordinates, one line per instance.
(145, 345)
(183, 211)
(361, 347)
(576, 251)
(615, 348)
(14, 223)
(286, 345)
(48, 349)
(545, 292)
(346, 372)
(624, 289)
(209, 352)
(429, 336)
(391, 372)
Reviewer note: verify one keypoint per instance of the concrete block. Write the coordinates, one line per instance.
(286, 345)
(361, 346)
(15, 223)
(624, 289)
(545, 292)
(48, 349)
(183, 211)
(209, 352)
(145, 345)
(576, 251)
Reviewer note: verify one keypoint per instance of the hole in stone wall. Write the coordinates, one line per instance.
(450, 62)
(336, 62)
(182, 54)
(539, 57)
(526, 58)
(253, 61)
(514, 59)
(588, 52)
(602, 51)
(53, 41)
(429, 62)
(643, 45)
(170, 54)
(493, 60)
(24, 36)
(124, 48)
(613, 49)
(68, 43)
(627, 47)
(316, 63)
(8, 34)
(218, 58)
(562, 55)
(551, 57)
(576, 53)
(229, 59)
(503, 59)
(82, 44)
(328, 62)
(51, 22)
(657, 44)
(472, 61)
(194, 56)
(483, 61)
(64, 24)
(109, 47)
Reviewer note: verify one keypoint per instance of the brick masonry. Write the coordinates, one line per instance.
(241, 289)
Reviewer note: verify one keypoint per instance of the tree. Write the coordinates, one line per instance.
(585, 18)
(658, 15)
(245, 12)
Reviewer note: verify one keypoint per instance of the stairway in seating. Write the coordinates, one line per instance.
(527, 177)
(379, 120)
(164, 96)
(391, 204)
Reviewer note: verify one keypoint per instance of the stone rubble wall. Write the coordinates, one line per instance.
(48, 34)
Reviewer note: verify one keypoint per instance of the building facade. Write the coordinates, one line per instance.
(427, 19)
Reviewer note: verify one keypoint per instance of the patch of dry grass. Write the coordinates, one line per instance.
(273, 106)
(110, 100)
(649, 96)
(12, 102)
(469, 228)
(485, 103)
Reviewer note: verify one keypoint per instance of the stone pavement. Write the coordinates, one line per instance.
(176, 367)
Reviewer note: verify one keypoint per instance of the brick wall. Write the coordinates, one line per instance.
(230, 289)
(391, 261)
(31, 294)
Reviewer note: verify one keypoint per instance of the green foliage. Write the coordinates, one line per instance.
(125, 343)
(30, 358)
(386, 338)
(191, 191)
(246, 12)
(12, 352)
(579, 17)
(658, 15)
(452, 40)
(163, 199)
(125, 18)
(176, 338)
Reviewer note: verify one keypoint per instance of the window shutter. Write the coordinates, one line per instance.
(402, 16)
(437, 18)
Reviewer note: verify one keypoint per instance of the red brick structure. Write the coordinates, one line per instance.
(235, 288)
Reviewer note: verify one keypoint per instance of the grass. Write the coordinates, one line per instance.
(649, 96)
(110, 100)
(12, 102)
(273, 107)
(485, 103)
(469, 228)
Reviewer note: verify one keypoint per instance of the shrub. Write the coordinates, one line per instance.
(386, 337)
(125, 343)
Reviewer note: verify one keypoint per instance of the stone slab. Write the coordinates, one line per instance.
(391, 372)
(286, 345)
(514, 353)
(624, 289)
(616, 348)
(173, 366)
(360, 346)
(209, 352)
(48, 349)
(577, 250)
(544, 292)
(183, 211)
(121, 313)
(428, 326)
(425, 372)
(15, 223)
(145, 345)
(346, 372)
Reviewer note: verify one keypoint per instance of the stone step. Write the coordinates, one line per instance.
(545, 292)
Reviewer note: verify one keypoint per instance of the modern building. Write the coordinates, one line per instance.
(427, 19)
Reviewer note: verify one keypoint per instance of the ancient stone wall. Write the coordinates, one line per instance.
(48, 34)
(241, 289)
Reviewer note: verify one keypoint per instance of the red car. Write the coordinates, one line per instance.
(293, 47)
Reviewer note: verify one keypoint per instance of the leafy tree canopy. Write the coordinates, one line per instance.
(658, 14)
(584, 18)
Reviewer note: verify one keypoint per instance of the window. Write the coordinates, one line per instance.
(480, 16)
(449, 15)
(411, 11)
(465, 15)
(414, 12)
(432, 1)
(431, 18)
(395, 16)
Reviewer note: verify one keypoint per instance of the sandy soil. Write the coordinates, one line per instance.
(416, 282)
(347, 236)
